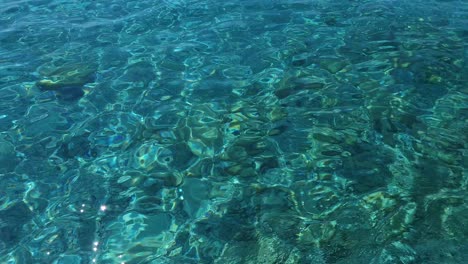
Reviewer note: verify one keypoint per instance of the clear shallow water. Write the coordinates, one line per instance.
(233, 131)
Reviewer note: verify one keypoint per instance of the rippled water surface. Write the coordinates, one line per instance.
(202, 131)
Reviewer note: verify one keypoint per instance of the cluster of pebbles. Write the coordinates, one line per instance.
(237, 132)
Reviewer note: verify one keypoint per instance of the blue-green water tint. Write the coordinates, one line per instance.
(233, 131)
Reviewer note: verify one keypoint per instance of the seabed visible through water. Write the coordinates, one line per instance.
(225, 132)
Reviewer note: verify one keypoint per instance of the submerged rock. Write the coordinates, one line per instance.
(67, 76)
(67, 81)
(333, 64)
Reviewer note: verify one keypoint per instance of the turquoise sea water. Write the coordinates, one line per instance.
(202, 131)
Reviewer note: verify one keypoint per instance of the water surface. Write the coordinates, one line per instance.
(285, 131)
